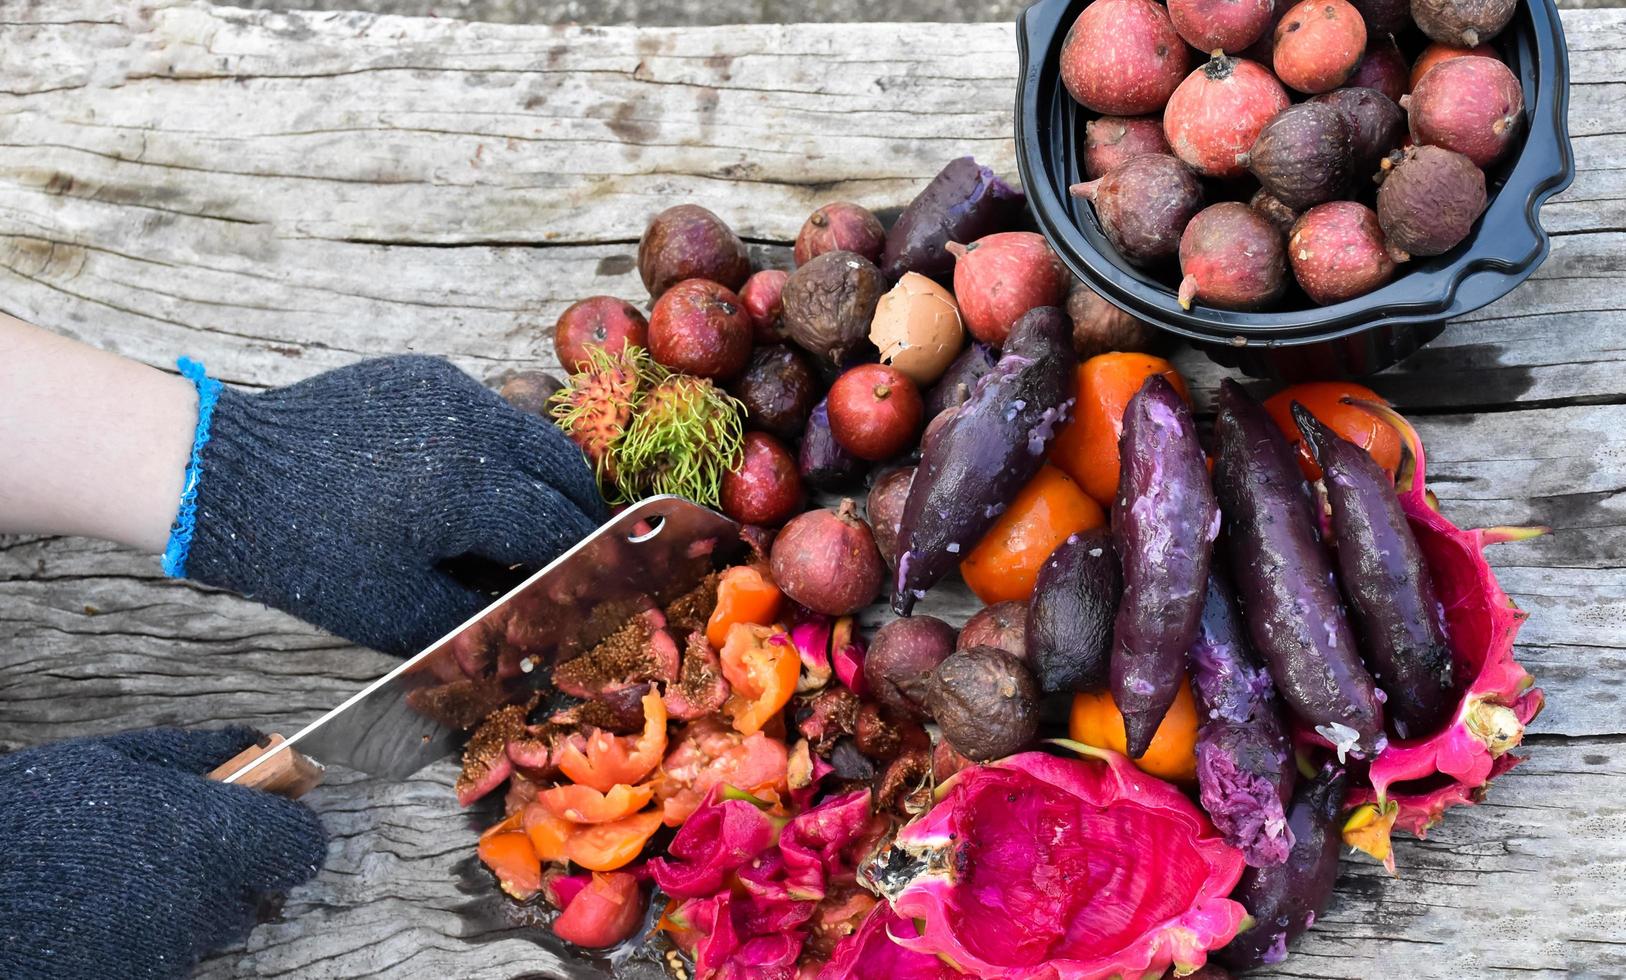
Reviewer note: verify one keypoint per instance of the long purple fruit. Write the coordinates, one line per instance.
(1284, 579)
(993, 444)
(1245, 770)
(1386, 581)
(963, 203)
(1164, 522)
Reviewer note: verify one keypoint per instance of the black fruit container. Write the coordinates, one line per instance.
(1357, 337)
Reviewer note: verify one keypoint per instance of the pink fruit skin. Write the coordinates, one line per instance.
(1437, 53)
(1215, 115)
(762, 296)
(698, 327)
(1498, 697)
(1110, 140)
(1232, 258)
(1318, 45)
(1471, 104)
(1228, 25)
(1001, 277)
(1123, 57)
(1382, 67)
(598, 321)
(1039, 866)
(1337, 252)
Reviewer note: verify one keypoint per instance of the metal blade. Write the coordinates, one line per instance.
(656, 549)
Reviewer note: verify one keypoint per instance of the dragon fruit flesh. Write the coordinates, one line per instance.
(1414, 781)
(1037, 866)
(872, 952)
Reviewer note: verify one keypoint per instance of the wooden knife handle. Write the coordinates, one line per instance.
(289, 773)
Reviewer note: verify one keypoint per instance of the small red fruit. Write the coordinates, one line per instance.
(875, 411)
(840, 227)
(1382, 67)
(700, 328)
(1215, 115)
(1232, 258)
(689, 242)
(1472, 105)
(1437, 53)
(1318, 44)
(1221, 25)
(599, 321)
(1110, 140)
(763, 296)
(1122, 57)
(1144, 205)
(765, 488)
(1002, 276)
(1337, 252)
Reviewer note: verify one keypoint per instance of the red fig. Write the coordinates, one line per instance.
(1382, 67)
(1273, 210)
(689, 242)
(1110, 140)
(1318, 45)
(1472, 105)
(1144, 205)
(1122, 57)
(1304, 155)
(1429, 201)
(1437, 53)
(1232, 258)
(1338, 253)
(700, 328)
(597, 321)
(1221, 25)
(1376, 125)
(1001, 277)
(1215, 115)
(840, 227)
(763, 295)
(1464, 23)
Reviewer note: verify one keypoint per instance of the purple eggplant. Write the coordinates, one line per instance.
(1245, 769)
(1069, 625)
(1164, 522)
(985, 453)
(1284, 900)
(821, 461)
(1284, 579)
(956, 383)
(1386, 581)
(963, 203)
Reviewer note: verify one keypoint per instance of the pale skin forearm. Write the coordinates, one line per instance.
(91, 443)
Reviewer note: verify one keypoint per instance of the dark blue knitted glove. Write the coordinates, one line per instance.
(338, 498)
(118, 859)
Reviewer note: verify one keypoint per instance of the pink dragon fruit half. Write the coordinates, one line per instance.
(872, 952)
(1038, 866)
(1413, 782)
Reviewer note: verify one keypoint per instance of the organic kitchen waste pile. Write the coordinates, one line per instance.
(1204, 664)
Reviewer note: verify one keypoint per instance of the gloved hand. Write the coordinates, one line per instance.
(118, 859)
(336, 498)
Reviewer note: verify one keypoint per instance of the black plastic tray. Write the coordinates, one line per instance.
(1356, 337)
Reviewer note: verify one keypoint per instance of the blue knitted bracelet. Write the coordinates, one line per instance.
(186, 519)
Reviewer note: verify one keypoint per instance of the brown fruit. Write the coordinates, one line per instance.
(1337, 252)
(1144, 205)
(840, 227)
(529, 391)
(901, 660)
(875, 411)
(1318, 44)
(1429, 201)
(1221, 25)
(1383, 17)
(1382, 67)
(765, 488)
(598, 321)
(985, 702)
(1232, 258)
(1304, 156)
(1273, 210)
(1002, 276)
(1003, 625)
(1376, 127)
(763, 296)
(1215, 115)
(830, 301)
(778, 389)
(884, 509)
(1463, 23)
(700, 328)
(689, 242)
(1122, 57)
(1099, 326)
(1472, 105)
(1110, 140)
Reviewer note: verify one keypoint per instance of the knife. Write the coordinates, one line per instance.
(657, 549)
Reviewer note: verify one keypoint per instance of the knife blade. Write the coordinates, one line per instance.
(656, 549)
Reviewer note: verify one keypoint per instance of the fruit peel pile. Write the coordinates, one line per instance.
(1218, 181)
(790, 797)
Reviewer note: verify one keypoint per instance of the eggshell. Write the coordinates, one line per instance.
(917, 328)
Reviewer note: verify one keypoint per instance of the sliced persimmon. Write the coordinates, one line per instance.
(511, 858)
(607, 846)
(744, 595)
(602, 760)
(546, 830)
(584, 804)
(761, 666)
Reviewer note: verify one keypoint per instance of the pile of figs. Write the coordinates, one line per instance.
(1240, 146)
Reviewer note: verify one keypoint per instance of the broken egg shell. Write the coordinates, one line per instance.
(917, 328)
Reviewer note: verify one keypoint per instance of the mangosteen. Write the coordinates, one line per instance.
(1376, 126)
(830, 301)
(1429, 200)
(1304, 156)
(986, 703)
(779, 389)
